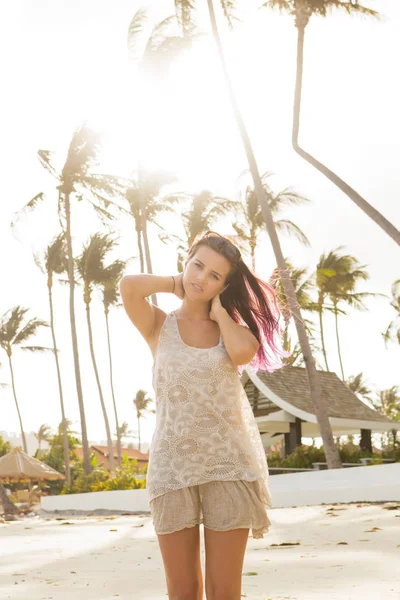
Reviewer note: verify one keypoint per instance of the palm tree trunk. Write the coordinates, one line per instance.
(140, 247)
(338, 340)
(112, 389)
(9, 507)
(321, 328)
(147, 252)
(60, 390)
(103, 406)
(321, 411)
(138, 420)
(143, 228)
(369, 210)
(16, 404)
(71, 277)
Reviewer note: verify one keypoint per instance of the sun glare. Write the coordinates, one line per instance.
(184, 124)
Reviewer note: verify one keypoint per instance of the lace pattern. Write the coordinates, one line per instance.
(205, 427)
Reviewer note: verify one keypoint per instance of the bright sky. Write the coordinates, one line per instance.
(66, 61)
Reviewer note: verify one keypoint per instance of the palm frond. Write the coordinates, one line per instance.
(45, 157)
(184, 10)
(56, 260)
(29, 330)
(135, 33)
(37, 349)
(228, 8)
(11, 322)
(29, 207)
(82, 155)
(290, 228)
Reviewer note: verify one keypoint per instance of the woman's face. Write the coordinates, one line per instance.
(205, 274)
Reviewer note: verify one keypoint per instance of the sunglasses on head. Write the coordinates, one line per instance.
(223, 245)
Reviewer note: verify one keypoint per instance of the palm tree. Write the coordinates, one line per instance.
(123, 431)
(91, 269)
(154, 52)
(337, 278)
(55, 262)
(141, 402)
(358, 385)
(198, 217)
(110, 292)
(328, 266)
(146, 203)
(43, 435)
(331, 451)
(344, 294)
(13, 333)
(253, 218)
(392, 333)
(77, 181)
(302, 11)
(388, 404)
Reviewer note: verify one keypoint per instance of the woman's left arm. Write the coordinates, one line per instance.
(239, 341)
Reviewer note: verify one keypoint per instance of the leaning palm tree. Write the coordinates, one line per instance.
(92, 272)
(392, 333)
(304, 287)
(14, 333)
(331, 451)
(141, 402)
(76, 181)
(252, 222)
(54, 262)
(43, 435)
(302, 11)
(110, 292)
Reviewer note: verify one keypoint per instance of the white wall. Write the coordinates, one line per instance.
(118, 500)
(376, 483)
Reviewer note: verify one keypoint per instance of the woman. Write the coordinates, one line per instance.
(207, 462)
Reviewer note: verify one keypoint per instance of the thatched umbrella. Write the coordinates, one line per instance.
(19, 466)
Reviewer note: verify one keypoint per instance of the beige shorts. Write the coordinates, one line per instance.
(219, 505)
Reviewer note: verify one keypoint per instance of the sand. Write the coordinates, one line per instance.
(332, 552)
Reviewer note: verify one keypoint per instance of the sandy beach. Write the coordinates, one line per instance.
(329, 552)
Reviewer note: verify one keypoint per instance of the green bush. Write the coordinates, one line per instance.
(101, 480)
(304, 456)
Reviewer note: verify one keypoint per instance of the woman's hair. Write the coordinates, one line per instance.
(249, 301)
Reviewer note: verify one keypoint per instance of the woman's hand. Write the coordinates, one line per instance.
(216, 308)
(179, 289)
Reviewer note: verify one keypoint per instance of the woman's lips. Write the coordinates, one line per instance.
(197, 288)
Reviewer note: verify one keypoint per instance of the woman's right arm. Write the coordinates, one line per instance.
(146, 317)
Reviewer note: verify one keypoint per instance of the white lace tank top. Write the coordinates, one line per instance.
(205, 427)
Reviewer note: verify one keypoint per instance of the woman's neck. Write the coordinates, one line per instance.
(197, 311)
